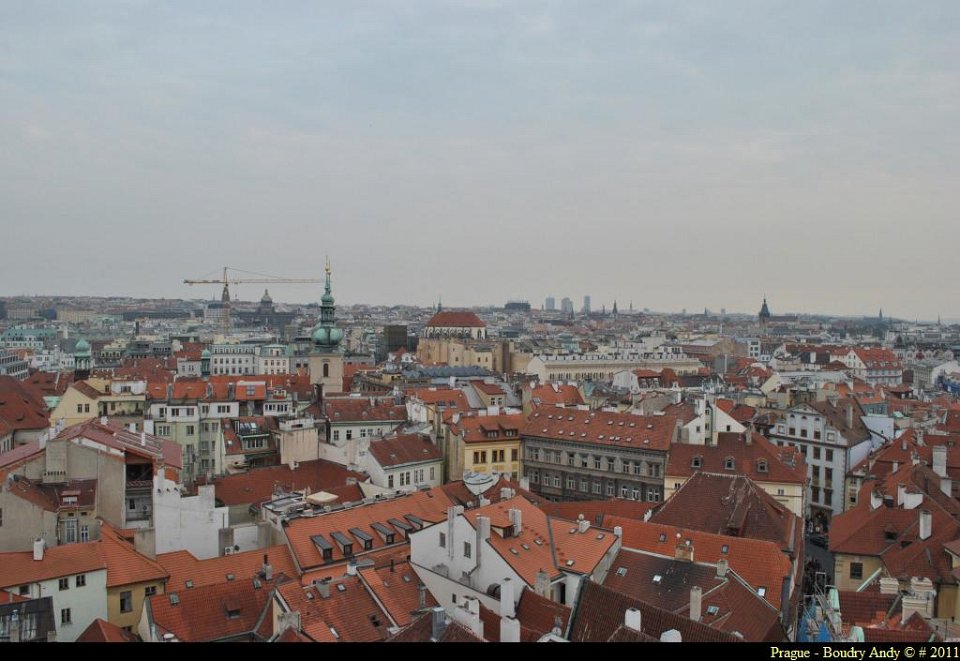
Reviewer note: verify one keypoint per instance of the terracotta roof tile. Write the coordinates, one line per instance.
(101, 631)
(358, 409)
(602, 428)
(549, 394)
(402, 450)
(455, 319)
(480, 428)
(348, 609)
(257, 485)
(183, 566)
(124, 564)
(396, 585)
(760, 460)
(597, 511)
(20, 567)
(421, 631)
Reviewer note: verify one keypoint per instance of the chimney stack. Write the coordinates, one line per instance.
(696, 602)
(722, 567)
(926, 524)
(506, 598)
(583, 525)
(632, 619)
(617, 531)
(876, 500)
(267, 568)
(849, 416)
(940, 460)
(543, 584)
(516, 518)
(439, 621)
(421, 596)
(509, 630)
(38, 546)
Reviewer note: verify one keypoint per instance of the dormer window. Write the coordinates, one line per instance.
(696, 462)
(728, 464)
(761, 466)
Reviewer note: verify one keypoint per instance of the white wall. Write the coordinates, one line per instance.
(190, 523)
(86, 603)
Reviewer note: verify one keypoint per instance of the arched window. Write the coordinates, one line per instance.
(326, 370)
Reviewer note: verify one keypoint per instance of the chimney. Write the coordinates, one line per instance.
(696, 602)
(516, 518)
(946, 486)
(421, 596)
(926, 524)
(896, 466)
(439, 621)
(143, 438)
(748, 436)
(525, 483)
(509, 630)
(267, 568)
(617, 531)
(583, 525)
(889, 585)
(684, 552)
(483, 529)
(506, 598)
(632, 619)
(849, 416)
(901, 494)
(671, 636)
(471, 612)
(38, 546)
(324, 589)
(543, 584)
(940, 460)
(722, 567)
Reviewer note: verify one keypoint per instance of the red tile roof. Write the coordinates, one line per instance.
(213, 612)
(447, 397)
(19, 454)
(257, 485)
(730, 505)
(760, 563)
(395, 585)
(551, 394)
(421, 631)
(183, 566)
(359, 409)
(597, 511)
(21, 407)
(597, 427)
(430, 506)
(552, 545)
(120, 438)
(101, 631)
(125, 565)
(20, 567)
(487, 388)
(455, 319)
(480, 428)
(760, 460)
(348, 609)
(403, 450)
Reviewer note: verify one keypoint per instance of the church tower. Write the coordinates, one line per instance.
(82, 360)
(764, 317)
(326, 359)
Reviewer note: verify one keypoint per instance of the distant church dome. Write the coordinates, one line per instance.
(764, 311)
(205, 354)
(82, 347)
(266, 297)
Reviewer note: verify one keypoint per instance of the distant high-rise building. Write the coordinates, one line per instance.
(551, 303)
(586, 304)
(517, 306)
(566, 305)
(395, 337)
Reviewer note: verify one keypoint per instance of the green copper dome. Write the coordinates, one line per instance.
(82, 348)
(205, 355)
(326, 336)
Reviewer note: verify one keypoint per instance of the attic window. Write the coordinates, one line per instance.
(341, 587)
(188, 583)
(230, 577)
(762, 466)
(728, 464)
(890, 535)
(621, 571)
(663, 537)
(762, 590)
(725, 548)
(696, 462)
(569, 563)
(657, 578)
(713, 610)
(174, 599)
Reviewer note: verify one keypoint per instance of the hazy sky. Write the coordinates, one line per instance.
(678, 154)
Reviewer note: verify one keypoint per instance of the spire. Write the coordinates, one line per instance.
(614, 306)
(326, 335)
(439, 303)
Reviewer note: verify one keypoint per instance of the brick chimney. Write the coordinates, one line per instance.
(926, 524)
(696, 602)
(632, 619)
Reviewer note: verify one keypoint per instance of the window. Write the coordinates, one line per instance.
(816, 434)
(762, 466)
(636, 494)
(191, 430)
(653, 495)
(81, 580)
(432, 469)
(64, 616)
(64, 583)
(803, 433)
(149, 591)
(466, 549)
(126, 601)
(596, 463)
(349, 434)
(624, 491)
(596, 487)
(571, 457)
(696, 462)
(571, 483)
(24, 590)
(654, 470)
(611, 464)
(816, 453)
(793, 431)
(780, 492)
(611, 489)
(443, 540)
(534, 477)
(336, 434)
(514, 456)
(830, 455)
(223, 408)
(856, 570)
(390, 481)
(79, 408)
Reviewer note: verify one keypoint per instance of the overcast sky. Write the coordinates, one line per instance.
(679, 154)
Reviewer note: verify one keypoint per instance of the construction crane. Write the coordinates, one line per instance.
(227, 281)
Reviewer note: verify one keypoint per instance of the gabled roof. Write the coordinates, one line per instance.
(600, 612)
(101, 631)
(455, 319)
(402, 450)
(125, 566)
(837, 417)
(120, 438)
(728, 604)
(552, 545)
(550, 394)
(601, 428)
(597, 511)
(213, 612)
(421, 631)
(429, 506)
(257, 485)
(21, 407)
(348, 610)
(444, 397)
(19, 568)
(359, 409)
(396, 586)
(730, 505)
(760, 563)
(760, 460)
(478, 428)
(183, 566)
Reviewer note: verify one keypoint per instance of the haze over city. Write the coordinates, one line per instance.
(679, 155)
